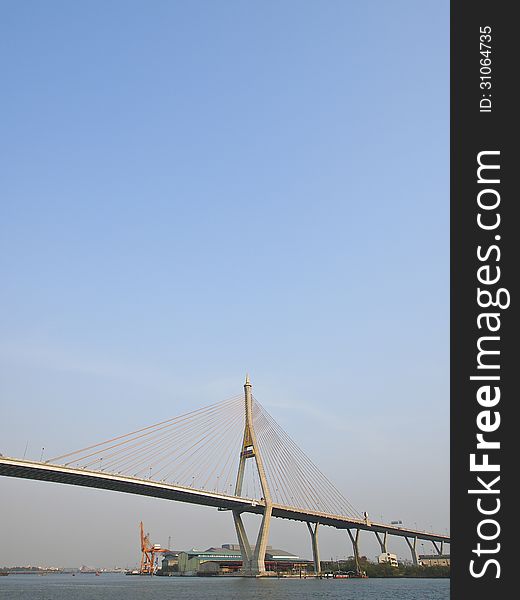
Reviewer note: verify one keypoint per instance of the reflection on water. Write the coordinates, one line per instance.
(121, 587)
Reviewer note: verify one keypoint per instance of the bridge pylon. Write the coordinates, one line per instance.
(355, 547)
(313, 530)
(383, 541)
(413, 549)
(253, 557)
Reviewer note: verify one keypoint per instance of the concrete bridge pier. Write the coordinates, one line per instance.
(382, 541)
(258, 561)
(355, 546)
(245, 548)
(413, 549)
(253, 558)
(313, 530)
(439, 549)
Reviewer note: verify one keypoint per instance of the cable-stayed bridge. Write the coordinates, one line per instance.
(231, 455)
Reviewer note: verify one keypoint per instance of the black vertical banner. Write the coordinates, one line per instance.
(484, 269)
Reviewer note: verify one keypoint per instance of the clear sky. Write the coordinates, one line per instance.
(193, 190)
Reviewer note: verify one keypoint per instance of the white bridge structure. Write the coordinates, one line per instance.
(233, 456)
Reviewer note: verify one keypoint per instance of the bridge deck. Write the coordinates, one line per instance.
(25, 469)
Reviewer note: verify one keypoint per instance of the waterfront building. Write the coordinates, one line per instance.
(170, 562)
(434, 560)
(227, 560)
(388, 558)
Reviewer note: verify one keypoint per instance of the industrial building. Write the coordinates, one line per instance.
(434, 560)
(227, 559)
(170, 562)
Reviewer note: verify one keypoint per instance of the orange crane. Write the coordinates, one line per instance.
(148, 553)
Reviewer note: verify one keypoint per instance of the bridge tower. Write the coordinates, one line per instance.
(253, 558)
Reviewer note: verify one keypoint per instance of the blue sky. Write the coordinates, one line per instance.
(190, 191)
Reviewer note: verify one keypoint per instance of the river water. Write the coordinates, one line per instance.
(121, 587)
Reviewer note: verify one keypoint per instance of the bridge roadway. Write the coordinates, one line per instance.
(25, 469)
